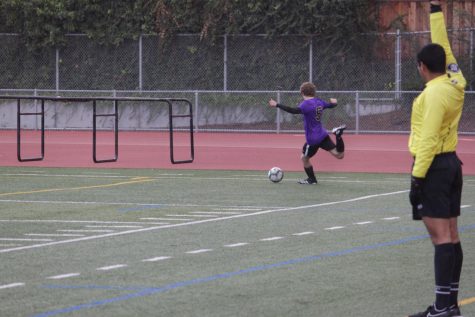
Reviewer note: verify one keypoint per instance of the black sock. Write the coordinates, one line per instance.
(310, 173)
(454, 286)
(443, 267)
(340, 145)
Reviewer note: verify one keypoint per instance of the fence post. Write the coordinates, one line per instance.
(57, 70)
(278, 113)
(196, 110)
(357, 112)
(398, 65)
(225, 63)
(140, 64)
(471, 60)
(310, 61)
(35, 93)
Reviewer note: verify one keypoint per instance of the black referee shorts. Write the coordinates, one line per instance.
(310, 150)
(442, 191)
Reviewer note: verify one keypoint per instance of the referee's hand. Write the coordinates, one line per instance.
(272, 102)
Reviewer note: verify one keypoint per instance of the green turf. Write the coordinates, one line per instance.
(296, 260)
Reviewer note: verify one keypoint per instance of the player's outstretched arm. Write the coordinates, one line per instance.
(333, 103)
(292, 110)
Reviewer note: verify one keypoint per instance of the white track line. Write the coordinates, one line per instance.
(192, 223)
(59, 277)
(11, 285)
(158, 258)
(111, 267)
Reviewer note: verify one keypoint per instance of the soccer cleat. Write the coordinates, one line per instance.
(339, 130)
(457, 311)
(307, 181)
(431, 311)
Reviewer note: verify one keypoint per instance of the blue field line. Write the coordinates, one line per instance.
(156, 290)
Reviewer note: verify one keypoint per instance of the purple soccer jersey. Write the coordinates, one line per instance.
(312, 110)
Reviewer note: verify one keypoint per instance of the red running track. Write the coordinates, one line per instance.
(218, 151)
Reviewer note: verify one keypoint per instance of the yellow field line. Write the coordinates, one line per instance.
(133, 181)
(467, 301)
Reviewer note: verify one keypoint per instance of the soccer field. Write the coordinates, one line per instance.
(149, 242)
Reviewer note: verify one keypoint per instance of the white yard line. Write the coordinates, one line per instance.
(19, 239)
(216, 212)
(192, 223)
(199, 251)
(305, 233)
(391, 218)
(85, 230)
(77, 221)
(11, 285)
(158, 258)
(53, 235)
(234, 245)
(193, 216)
(104, 226)
(111, 267)
(334, 228)
(239, 209)
(166, 219)
(59, 277)
(363, 222)
(271, 239)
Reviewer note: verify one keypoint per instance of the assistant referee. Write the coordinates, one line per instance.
(436, 180)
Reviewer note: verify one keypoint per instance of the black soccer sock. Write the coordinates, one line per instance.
(454, 286)
(340, 145)
(310, 173)
(443, 267)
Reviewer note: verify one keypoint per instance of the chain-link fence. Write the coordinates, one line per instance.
(241, 111)
(375, 78)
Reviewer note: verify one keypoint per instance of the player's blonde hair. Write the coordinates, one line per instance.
(308, 89)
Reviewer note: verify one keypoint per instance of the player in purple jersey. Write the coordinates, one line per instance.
(316, 136)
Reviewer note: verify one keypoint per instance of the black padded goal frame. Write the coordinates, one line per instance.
(115, 114)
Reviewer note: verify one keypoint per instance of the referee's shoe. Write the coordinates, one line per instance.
(431, 311)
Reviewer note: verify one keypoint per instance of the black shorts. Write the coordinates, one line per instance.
(442, 191)
(310, 150)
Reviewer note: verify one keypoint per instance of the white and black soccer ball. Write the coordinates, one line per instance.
(275, 174)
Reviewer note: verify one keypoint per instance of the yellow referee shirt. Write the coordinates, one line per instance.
(436, 111)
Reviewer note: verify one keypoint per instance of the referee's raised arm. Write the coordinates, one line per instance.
(438, 32)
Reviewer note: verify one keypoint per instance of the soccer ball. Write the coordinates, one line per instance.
(275, 174)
